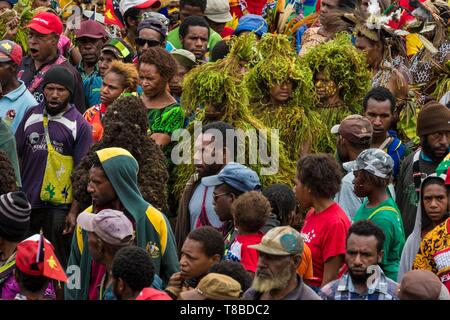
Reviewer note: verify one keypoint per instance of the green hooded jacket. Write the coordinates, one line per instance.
(153, 231)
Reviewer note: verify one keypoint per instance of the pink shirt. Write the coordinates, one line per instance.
(325, 233)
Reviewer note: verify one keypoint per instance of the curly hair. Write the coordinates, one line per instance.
(128, 72)
(251, 211)
(126, 127)
(7, 173)
(367, 228)
(163, 60)
(282, 200)
(134, 266)
(234, 270)
(321, 173)
(345, 65)
(211, 240)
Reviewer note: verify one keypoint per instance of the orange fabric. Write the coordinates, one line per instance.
(93, 116)
(305, 269)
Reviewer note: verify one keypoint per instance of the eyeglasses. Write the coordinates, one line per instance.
(216, 196)
(151, 42)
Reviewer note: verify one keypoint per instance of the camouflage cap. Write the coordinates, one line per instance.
(281, 241)
(376, 162)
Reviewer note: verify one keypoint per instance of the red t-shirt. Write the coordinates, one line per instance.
(325, 233)
(239, 250)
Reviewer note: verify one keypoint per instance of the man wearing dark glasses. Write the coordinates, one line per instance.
(151, 33)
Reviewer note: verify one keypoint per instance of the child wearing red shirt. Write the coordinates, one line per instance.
(250, 213)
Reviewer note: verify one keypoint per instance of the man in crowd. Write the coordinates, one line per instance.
(44, 32)
(433, 128)
(194, 35)
(14, 223)
(113, 184)
(364, 279)
(192, 8)
(379, 107)
(185, 62)
(354, 136)
(280, 254)
(217, 14)
(131, 11)
(197, 199)
(232, 181)
(52, 139)
(132, 275)
(90, 39)
(151, 32)
(15, 99)
(202, 249)
(115, 49)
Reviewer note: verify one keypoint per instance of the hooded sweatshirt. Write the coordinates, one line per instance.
(412, 244)
(152, 228)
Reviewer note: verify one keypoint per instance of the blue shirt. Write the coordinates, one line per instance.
(15, 104)
(343, 289)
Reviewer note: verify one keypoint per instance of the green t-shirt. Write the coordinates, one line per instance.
(174, 39)
(387, 216)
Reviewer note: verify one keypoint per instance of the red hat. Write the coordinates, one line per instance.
(91, 29)
(35, 256)
(46, 23)
(10, 51)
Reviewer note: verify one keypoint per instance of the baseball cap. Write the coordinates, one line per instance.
(125, 5)
(376, 162)
(120, 49)
(214, 286)
(91, 29)
(111, 226)
(236, 176)
(281, 241)
(354, 128)
(218, 11)
(252, 22)
(184, 57)
(10, 51)
(46, 23)
(422, 285)
(36, 257)
(154, 24)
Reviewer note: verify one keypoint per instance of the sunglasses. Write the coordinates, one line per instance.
(151, 43)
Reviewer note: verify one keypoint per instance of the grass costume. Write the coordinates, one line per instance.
(344, 65)
(297, 121)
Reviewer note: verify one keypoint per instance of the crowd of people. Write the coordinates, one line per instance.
(343, 194)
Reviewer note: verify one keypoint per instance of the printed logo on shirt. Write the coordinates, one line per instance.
(307, 237)
(37, 142)
(10, 115)
(38, 96)
(234, 254)
(153, 250)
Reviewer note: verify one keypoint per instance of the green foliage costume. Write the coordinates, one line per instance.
(342, 63)
(296, 120)
(218, 88)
